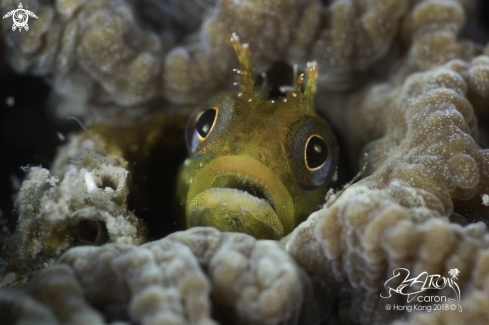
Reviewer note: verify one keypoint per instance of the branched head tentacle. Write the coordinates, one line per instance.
(311, 86)
(305, 99)
(242, 51)
(295, 96)
(247, 84)
(298, 87)
(295, 73)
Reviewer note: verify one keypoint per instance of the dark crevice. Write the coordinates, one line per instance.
(108, 182)
(280, 74)
(91, 232)
(466, 216)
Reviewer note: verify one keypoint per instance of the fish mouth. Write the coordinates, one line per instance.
(246, 186)
(240, 194)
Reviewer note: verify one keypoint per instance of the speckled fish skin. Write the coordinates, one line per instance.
(250, 172)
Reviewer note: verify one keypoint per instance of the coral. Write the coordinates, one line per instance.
(430, 32)
(151, 151)
(425, 170)
(421, 206)
(173, 280)
(475, 304)
(87, 203)
(256, 279)
(92, 50)
(82, 208)
(53, 297)
(366, 235)
(108, 58)
(345, 38)
(201, 66)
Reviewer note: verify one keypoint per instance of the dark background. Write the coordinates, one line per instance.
(27, 137)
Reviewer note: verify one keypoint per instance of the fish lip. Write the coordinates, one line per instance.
(223, 170)
(232, 181)
(244, 213)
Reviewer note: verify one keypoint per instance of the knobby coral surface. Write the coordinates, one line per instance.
(92, 51)
(422, 205)
(474, 303)
(123, 58)
(173, 281)
(84, 208)
(426, 170)
(87, 203)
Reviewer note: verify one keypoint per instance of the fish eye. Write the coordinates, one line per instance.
(200, 126)
(206, 122)
(316, 152)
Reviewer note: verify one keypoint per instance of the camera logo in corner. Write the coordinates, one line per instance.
(20, 16)
(416, 289)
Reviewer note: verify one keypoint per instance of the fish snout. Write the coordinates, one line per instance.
(239, 193)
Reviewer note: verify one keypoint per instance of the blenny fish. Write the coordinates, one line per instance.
(256, 165)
